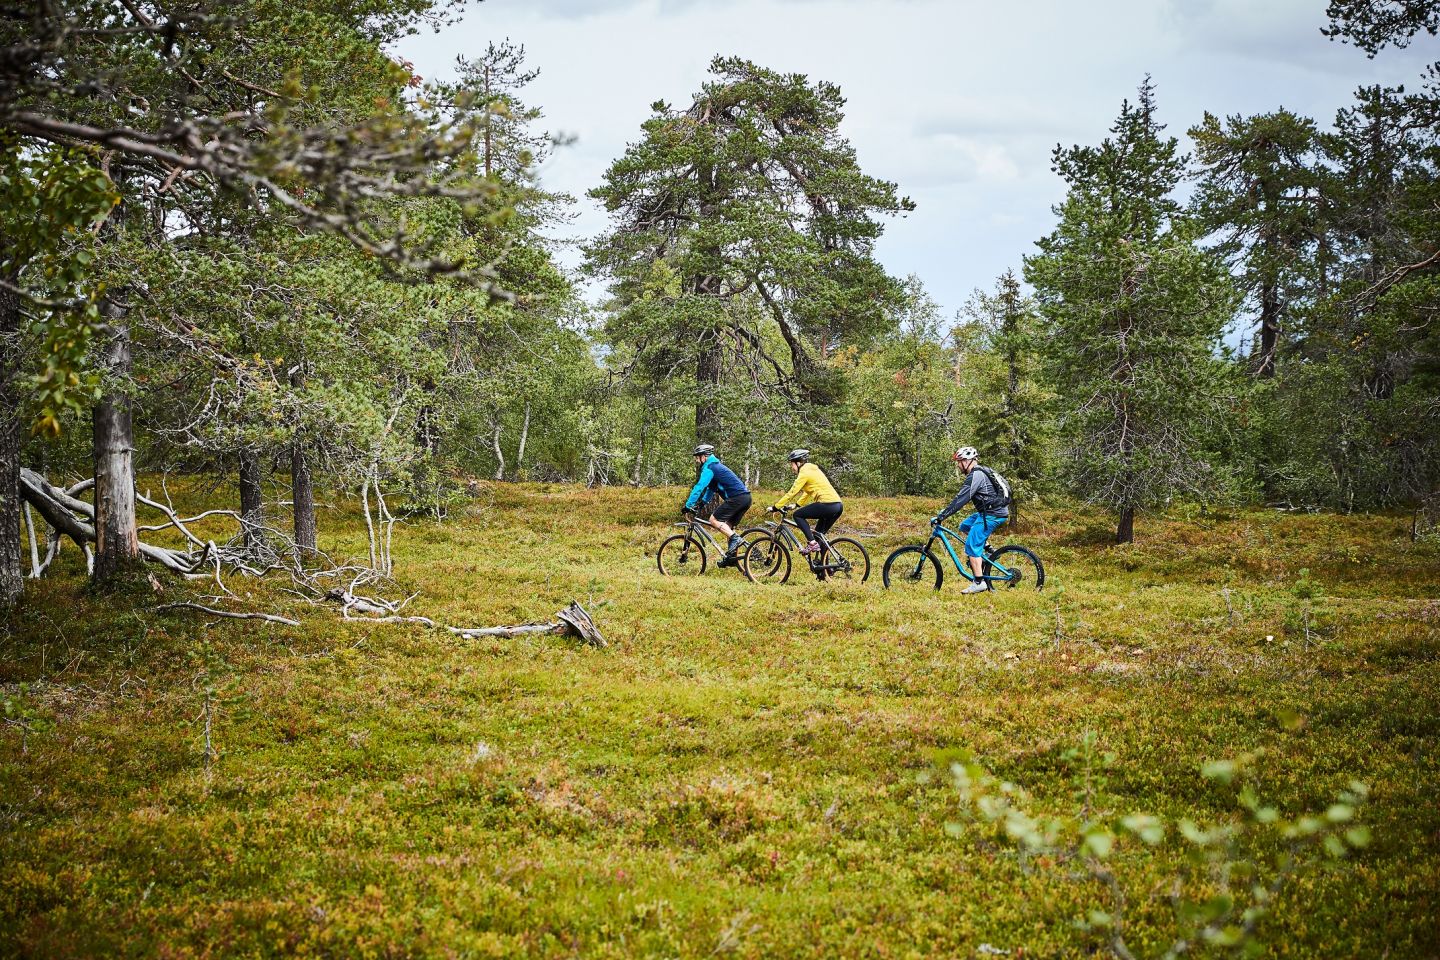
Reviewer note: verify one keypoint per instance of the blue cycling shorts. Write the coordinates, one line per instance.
(977, 529)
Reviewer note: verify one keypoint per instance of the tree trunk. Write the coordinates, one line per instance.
(640, 450)
(302, 487)
(524, 435)
(1269, 329)
(707, 401)
(252, 503)
(117, 542)
(427, 435)
(1125, 532)
(12, 578)
(302, 492)
(499, 450)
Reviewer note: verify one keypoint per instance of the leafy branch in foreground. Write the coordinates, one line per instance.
(1232, 872)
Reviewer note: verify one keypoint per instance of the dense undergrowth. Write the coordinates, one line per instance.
(742, 771)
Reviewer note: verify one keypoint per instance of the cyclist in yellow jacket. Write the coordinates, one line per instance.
(817, 498)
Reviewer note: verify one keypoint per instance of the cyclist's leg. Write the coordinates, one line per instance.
(976, 533)
(827, 519)
(802, 518)
(828, 514)
(727, 517)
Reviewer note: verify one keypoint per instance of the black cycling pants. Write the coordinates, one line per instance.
(824, 515)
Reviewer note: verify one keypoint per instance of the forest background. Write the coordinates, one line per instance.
(230, 254)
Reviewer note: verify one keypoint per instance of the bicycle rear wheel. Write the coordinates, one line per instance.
(681, 556)
(766, 560)
(912, 568)
(1021, 568)
(847, 560)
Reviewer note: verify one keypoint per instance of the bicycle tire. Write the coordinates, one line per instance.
(766, 560)
(919, 575)
(686, 556)
(845, 548)
(1024, 565)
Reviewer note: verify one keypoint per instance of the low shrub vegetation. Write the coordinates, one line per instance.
(816, 769)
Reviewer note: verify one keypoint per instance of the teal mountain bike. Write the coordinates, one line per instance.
(917, 568)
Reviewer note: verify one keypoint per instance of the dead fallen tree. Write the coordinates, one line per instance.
(571, 621)
(204, 559)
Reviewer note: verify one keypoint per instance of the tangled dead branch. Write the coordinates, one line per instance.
(204, 559)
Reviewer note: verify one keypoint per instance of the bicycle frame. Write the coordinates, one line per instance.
(700, 530)
(944, 535)
(787, 528)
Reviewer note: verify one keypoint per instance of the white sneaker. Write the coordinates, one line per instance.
(976, 588)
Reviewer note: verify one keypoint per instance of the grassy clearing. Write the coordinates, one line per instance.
(738, 773)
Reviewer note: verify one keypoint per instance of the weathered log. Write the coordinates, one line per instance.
(572, 621)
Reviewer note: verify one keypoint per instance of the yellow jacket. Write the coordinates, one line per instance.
(811, 486)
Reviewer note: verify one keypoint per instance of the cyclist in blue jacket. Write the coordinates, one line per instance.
(715, 478)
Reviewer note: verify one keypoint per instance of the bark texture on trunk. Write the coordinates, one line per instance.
(707, 399)
(1269, 330)
(1125, 532)
(117, 543)
(302, 492)
(524, 436)
(302, 488)
(499, 450)
(12, 577)
(252, 502)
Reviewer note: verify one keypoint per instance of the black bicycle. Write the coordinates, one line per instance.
(916, 566)
(685, 554)
(767, 557)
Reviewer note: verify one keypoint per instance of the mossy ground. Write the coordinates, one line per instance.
(737, 773)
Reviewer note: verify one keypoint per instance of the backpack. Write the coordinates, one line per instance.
(999, 498)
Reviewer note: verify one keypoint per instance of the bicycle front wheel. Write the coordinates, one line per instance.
(681, 556)
(1014, 566)
(766, 560)
(912, 568)
(847, 560)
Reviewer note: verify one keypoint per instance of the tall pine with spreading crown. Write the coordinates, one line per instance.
(742, 240)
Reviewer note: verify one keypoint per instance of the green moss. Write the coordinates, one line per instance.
(738, 771)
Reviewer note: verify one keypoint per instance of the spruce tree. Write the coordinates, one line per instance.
(1133, 309)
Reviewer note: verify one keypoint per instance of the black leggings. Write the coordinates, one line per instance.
(824, 515)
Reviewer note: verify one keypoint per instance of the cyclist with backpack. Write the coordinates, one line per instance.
(991, 496)
(816, 495)
(714, 478)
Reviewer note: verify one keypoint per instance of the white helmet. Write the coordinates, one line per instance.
(704, 450)
(966, 453)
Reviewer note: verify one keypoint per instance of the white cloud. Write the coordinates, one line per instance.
(958, 101)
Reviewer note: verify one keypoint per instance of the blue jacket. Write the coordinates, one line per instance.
(714, 475)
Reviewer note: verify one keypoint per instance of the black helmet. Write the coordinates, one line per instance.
(798, 456)
(704, 450)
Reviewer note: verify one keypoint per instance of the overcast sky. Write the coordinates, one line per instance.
(958, 101)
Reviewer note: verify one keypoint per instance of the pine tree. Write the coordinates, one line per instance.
(1260, 192)
(742, 239)
(1133, 311)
